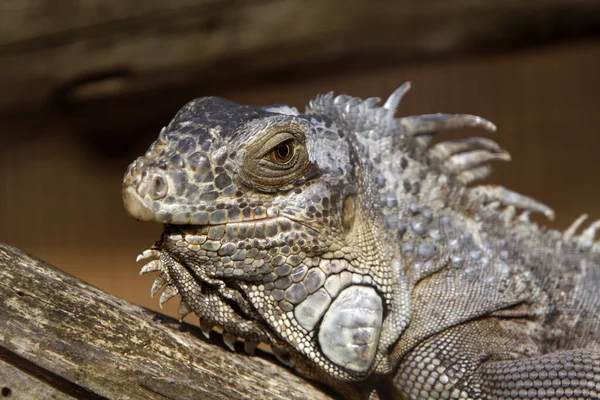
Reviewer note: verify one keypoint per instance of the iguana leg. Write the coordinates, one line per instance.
(495, 359)
(571, 374)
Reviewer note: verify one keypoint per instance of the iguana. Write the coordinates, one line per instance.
(364, 253)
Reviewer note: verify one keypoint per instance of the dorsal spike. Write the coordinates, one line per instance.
(494, 205)
(590, 232)
(348, 108)
(474, 174)
(444, 150)
(353, 102)
(572, 230)
(509, 197)
(340, 99)
(392, 103)
(163, 132)
(508, 215)
(431, 123)
(425, 139)
(370, 102)
(465, 161)
(524, 217)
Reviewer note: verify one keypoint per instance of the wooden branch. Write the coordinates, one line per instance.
(52, 52)
(62, 338)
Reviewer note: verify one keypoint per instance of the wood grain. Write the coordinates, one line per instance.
(62, 338)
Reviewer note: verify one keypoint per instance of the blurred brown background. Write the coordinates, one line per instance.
(86, 86)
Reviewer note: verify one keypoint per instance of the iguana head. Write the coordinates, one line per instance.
(276, 223)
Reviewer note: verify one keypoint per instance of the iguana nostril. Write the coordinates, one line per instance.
(158, 187)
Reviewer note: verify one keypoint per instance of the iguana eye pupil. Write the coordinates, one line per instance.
(282, 153)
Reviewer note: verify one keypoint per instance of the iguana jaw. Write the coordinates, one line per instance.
(221, 307)
(135, 205)
(226, 300)
(199, 294)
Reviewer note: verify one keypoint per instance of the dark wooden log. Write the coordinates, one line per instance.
(55, 53)
(62, 338)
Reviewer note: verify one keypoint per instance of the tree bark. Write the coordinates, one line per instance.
(61, 338)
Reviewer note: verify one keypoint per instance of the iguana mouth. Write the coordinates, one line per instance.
(135, 206)
(199, 228)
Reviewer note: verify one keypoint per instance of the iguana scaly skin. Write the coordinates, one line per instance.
(363, 254)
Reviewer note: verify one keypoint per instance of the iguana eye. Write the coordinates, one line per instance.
(283, 152)
(276, 159)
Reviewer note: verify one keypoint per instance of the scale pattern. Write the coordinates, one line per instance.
(365, 256)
